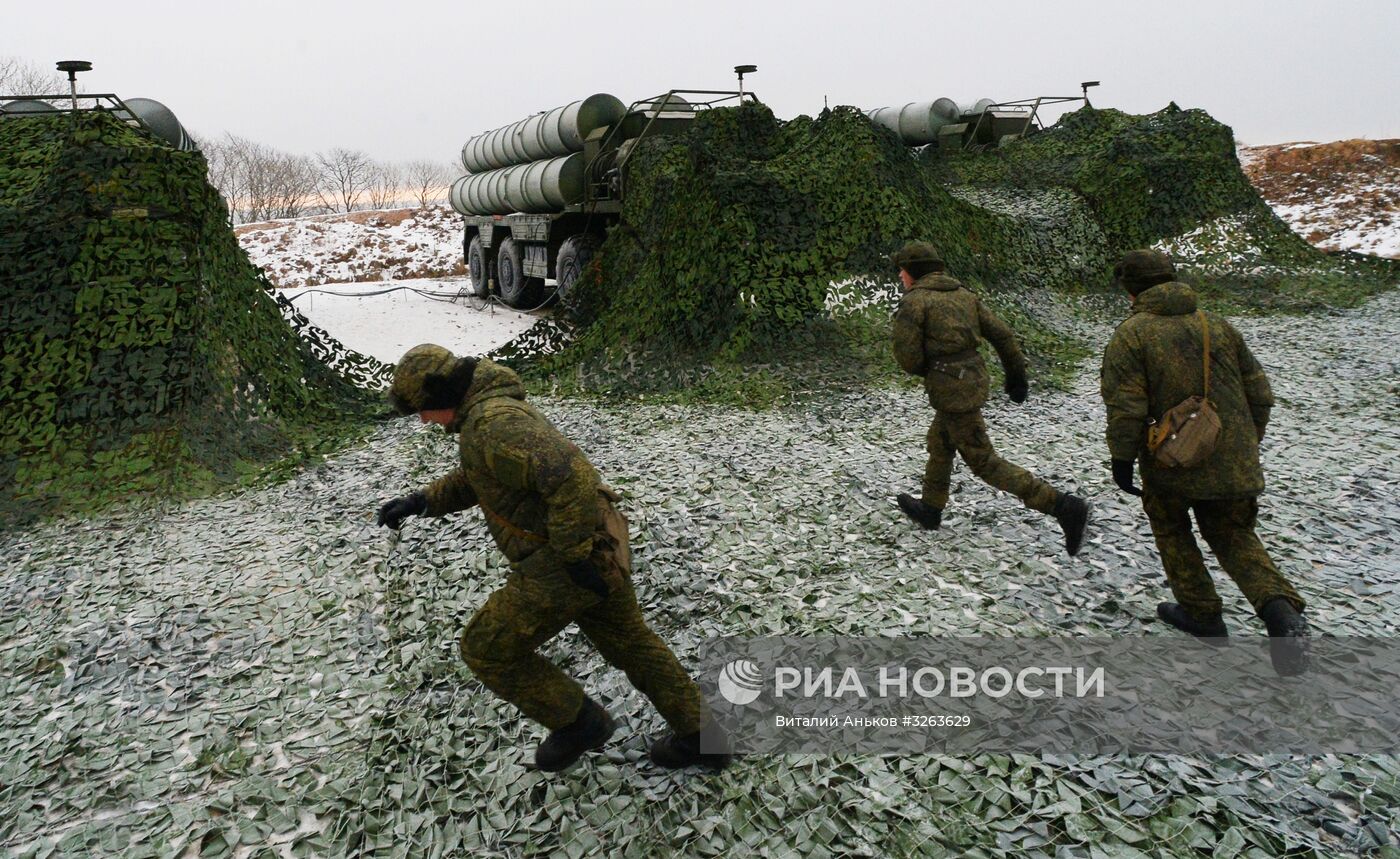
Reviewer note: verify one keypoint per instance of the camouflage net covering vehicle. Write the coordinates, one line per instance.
(141, 350)
(734, 232)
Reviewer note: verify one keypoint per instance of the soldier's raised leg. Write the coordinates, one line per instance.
(499, 646)
(1229, 527)
(968, 433)
(616, 627)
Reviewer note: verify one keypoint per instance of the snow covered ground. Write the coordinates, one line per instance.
(383, 319)
(360, 246)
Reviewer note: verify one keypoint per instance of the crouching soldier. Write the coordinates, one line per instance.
(937, 329)
(1155, 361)
(552, 517)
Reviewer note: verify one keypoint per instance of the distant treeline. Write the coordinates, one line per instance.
(261, 183)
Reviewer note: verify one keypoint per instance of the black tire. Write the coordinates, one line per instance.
(575, 255)
(517, 290)
(476, 268)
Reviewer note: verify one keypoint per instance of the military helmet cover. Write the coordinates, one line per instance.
(1143, 267)
(413, 389)
(916, 252)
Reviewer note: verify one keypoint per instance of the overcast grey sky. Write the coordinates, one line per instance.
(414, 78)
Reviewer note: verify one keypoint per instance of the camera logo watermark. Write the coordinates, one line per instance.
(740, 682)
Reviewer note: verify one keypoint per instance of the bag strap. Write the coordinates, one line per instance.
(1205, 331)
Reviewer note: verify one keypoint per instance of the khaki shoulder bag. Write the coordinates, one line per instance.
(1187, 434)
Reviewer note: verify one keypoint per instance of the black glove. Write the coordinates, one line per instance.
(1016, 388)
(394, 512)
(1123, 476)
(585, 575)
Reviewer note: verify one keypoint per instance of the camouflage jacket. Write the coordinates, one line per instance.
(1154, 362)
(539, 493)
(937, 329)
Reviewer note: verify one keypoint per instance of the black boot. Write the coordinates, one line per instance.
(1289, 647)
(1212, 629)
(674, 751)
(589, 731)
(929, 517)
(1072, 512)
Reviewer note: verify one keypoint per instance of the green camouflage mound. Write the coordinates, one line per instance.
(141, 350)
(734, 232)
(1169, 180)
(1144, 178)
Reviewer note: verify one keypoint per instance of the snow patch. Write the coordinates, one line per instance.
(361, 246)
(386, 319)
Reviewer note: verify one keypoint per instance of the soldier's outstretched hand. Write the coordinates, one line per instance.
(1123, 476)
(394, 512)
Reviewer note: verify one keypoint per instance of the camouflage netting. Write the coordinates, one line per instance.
(733, 233)
(1169, 179)
(141, 350)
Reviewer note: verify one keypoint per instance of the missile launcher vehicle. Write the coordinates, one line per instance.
(540, 194)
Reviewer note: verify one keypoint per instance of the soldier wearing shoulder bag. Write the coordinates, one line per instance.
(1189, 403)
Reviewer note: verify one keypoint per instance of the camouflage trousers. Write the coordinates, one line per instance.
(499, 642)
(1228, 528)
(965, 434)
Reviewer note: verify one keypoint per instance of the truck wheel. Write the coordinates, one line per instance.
(517, 290)
(575, 255)
(476, 269)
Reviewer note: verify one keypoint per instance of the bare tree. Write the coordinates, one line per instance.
(221, 172)
(259, 182)
(294, 185)
(344, 177)
(382, 187)
(426, 180)
(279, 185)
(19, 76)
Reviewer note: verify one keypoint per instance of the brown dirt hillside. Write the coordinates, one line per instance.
(1343, 195)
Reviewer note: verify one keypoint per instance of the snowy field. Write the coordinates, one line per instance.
(384, 319)
(266, 673)
(360, 246)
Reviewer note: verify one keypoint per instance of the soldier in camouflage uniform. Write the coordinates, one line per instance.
(936, 333)
(1153, 362)
(554, 519)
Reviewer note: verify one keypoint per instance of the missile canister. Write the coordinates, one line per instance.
(538, 187)
(975, 108)
(919, 121)
(162, 121)
(551, 134)
(887, 117)
(19, 106)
